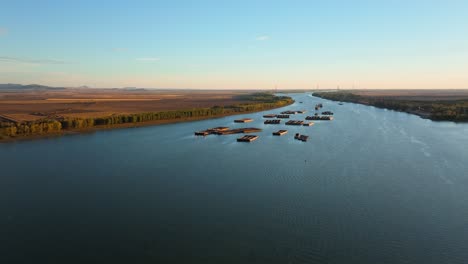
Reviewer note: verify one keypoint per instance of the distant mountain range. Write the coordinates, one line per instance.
(36, 87)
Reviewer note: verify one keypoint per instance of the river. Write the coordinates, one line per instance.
(371, 186)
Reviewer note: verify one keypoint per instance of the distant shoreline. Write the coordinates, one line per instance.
(424, 106)
(92, 129)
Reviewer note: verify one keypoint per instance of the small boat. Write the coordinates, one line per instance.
(300, 137)
(243, 120)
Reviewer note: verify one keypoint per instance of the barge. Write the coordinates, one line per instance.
(211, 131)
(289, 112)
(327, 113)
(294, 123)
(239, 131)
(280, 132)
(317, 117)
(272, 122)
(270, 116)
(282, 116)
(248, 138)
(308, 124)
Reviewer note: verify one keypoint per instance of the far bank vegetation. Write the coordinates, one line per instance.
(439, 110)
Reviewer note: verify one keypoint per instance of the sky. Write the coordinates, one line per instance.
(235, 44)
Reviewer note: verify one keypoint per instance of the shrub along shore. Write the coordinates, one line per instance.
(437, 110)
(255, 102)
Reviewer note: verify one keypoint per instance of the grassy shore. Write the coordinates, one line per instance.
(430, 105)
(11, 131)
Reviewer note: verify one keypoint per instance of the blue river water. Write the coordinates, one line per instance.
(371, 186)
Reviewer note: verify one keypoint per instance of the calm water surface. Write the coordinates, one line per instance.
(372, 186)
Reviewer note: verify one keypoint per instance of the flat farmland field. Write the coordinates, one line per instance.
(417, 95)
(29, 105)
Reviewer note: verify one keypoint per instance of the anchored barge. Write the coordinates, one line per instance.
(294, 123)
(239, 131)
(282, 116)
(272, 122)
(289, 112)
(317, 117)
(211, 131)
(308, 124)
(243, 120)
(300, 137)
(327, 113)
(280, 133)
(227, 131)
(270, 116)
(248, 138)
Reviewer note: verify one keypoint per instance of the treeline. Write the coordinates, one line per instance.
(8, 129)
(256, 102)
(435, 110)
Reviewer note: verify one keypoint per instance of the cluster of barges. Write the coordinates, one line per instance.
(326, 116)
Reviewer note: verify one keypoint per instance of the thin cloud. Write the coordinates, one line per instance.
(3, 31)
(148, 59)
(262, 38)
(31, 61)
(119, 49)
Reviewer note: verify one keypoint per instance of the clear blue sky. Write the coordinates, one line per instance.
(236, 44)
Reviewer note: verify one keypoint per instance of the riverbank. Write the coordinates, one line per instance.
(55, 128)
(428, 106)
